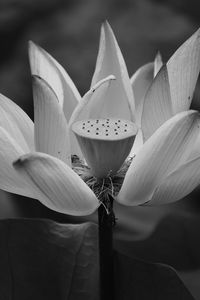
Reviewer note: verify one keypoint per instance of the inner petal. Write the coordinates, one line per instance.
(105, 143)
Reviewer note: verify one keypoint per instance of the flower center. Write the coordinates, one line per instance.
(105, 143)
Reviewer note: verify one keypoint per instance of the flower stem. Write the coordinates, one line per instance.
(106, 222)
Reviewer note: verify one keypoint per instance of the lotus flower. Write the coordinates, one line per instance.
(105, 123)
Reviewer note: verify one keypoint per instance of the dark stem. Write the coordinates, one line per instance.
(106, 222)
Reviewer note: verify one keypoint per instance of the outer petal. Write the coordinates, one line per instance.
(93, 103)
(10, 181)
(51, 129)
(45, 66)
(119, 101)
(183, 69)
(140, 82)
(161, 154)
(157, 106)
(178, 184)
(17, 123)
(64, 190)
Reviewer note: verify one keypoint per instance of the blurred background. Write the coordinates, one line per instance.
(69, 30)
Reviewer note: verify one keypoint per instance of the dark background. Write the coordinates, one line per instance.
(69, 30)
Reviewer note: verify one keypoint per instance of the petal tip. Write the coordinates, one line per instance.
(17, 164)
(105, 23)
(32, 46)
(107, 27)
(34, 49)
(30, 43)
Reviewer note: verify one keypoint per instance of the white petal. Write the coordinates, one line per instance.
(119, 101)
(178, 184)
(93, 103)
(160, 155)
(46, 67)
(183, 69)
(10, 180)
(65, 191)
(138, 143)
(195, 149)
(157, 106)
(51, 129)
(158, 63)
(17, 123)
(140, 82)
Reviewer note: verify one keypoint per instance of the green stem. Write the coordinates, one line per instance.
(106, 221)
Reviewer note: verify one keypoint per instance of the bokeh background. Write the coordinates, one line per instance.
(69, 30)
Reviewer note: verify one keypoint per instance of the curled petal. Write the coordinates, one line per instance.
(119, 101)
(140, 82)
(178, 184)
(64, 191)
(157, 106)
(51, 129)
(167, 149)
(45, 66)
(183, 69)
(93, 103)
(17, 123)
